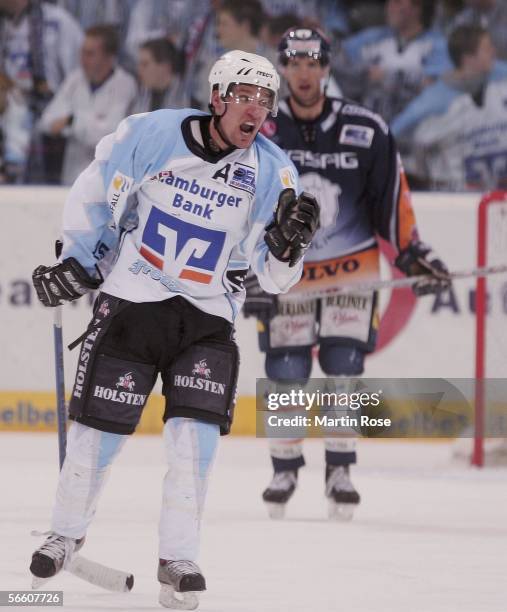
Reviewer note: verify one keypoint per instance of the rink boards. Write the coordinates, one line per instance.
(432, 338)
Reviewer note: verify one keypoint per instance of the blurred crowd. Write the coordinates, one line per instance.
(436, 71)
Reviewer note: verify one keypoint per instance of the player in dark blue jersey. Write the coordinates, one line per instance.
(347, 156)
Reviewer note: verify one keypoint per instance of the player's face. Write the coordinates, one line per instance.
(304, 76)
(243, 112)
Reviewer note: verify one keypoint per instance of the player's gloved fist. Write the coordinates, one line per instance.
(418, 259)
(258, 303)
(295, 223)
(63, 282)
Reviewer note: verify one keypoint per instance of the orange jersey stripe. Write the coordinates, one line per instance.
(198, 277)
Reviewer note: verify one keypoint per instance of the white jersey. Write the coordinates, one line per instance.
(61, 41)
(463, 144)
(95, 114)
(170, 220)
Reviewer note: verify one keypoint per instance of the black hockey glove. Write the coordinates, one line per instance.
(63, 282)
(258, 303)
(296, 221)
(418, 258)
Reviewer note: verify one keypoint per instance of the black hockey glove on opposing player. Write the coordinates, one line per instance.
(418, 259)
(295, 223)
(258, 303)
(63, 282)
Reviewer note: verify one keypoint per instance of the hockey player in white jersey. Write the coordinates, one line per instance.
(167, 220)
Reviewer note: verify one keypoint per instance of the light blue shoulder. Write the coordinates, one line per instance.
(434, 100)
(144, 142)
(499, 71)
(276, 172)
(354, 44)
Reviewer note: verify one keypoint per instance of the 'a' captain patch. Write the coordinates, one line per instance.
(357, 135)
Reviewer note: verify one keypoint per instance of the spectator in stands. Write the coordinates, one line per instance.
(171, 19)
(93, 12)
(15, 127)
(39, 47)
(459, 124)
(238, 24)
(160, 84)
(331, 12)
(492, 16)
(91, 102)
(384, 68)
(274, 28)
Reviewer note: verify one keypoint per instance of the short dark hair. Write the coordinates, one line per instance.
(427, 12)
(464, 40)
(109, 36)
(277, 26)
(163, 52)
(245, 10)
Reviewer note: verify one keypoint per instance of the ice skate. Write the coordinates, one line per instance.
(278, 493)
(180, 583)
(343, 498)
(52, 556)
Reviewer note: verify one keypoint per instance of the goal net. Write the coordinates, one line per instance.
(491, 332)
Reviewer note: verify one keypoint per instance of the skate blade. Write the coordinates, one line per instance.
(340, 512)
(169, 598)
(276, 511)
(37, 582)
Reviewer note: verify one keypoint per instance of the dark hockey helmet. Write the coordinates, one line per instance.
(304, 42)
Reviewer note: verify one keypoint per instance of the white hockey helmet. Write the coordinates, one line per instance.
(237, 67)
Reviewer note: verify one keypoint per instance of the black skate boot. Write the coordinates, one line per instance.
(343, 498)
(49, 558)
(279, 491)
(180, 581)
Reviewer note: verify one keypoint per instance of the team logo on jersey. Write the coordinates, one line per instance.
(360, 111)
(357, 135)
(287, 177)
(162, 176)
(126, 382)
(201, 369)
(191, 251)
(118, 190)
(243, 178)
(328, 195)
(104, 309)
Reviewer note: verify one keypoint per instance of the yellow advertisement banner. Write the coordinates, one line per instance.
(36, 411)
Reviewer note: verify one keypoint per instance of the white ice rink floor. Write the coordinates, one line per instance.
(429, 536)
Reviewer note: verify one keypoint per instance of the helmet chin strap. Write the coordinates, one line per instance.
(216, 124)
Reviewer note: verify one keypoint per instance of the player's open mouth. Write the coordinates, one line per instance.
(247, 128)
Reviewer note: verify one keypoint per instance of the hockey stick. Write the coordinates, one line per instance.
(91, 571)
(396, 283)
(100, 575)
(61, 412)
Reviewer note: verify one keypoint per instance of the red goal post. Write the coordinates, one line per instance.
(492, 205)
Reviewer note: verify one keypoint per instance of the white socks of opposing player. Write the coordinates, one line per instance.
(89, 454)
(190, 449)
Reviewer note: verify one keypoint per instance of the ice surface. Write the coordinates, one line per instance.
(430, 536)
